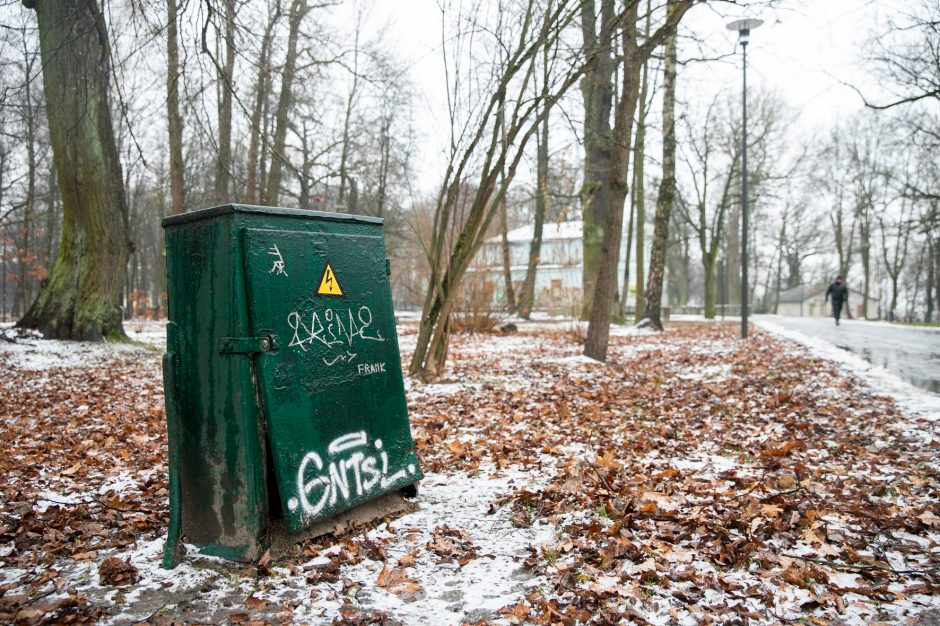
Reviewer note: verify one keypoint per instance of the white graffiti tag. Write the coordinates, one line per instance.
(333, 330)
(278, 262)
(356, 472)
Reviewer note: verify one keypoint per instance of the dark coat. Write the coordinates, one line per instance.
(838, 291)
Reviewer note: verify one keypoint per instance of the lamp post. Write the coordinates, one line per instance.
(744, 28)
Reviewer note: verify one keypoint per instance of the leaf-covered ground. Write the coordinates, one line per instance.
(694, 479)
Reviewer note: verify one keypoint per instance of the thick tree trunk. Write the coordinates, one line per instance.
(667, 192)
(223, 163)
(53, 218)
(298, 10)
(81, 299)
(174, 119)
(597, 89)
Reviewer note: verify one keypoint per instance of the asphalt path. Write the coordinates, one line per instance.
(911, 352)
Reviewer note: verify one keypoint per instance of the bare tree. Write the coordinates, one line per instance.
(298, 11)
(225, 88)
(894, 254)
(634, 54)
(174, 118)
(261, 98)
(712, 153)
(479, 153)
(905, 56)
(667, 190)
(639, 184)
(597, 91)
(527, 297)
(82, 297)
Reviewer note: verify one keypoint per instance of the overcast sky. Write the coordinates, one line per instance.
(805, 50)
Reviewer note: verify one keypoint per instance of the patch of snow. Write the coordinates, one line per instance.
(119, 484)
(44, 354)
(10, 575)
(579, 359)
(45, 499)
(705, 372)
(438, 389)
(631, 331)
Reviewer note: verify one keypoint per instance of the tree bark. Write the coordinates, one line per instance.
(24, 293)
(634, 56)
(598, 335)
(527, 301)
(261, 96)
(597, 90)
(667, 191)
(639, 187)
(298, 10)
(347, 121)
(81, 299)
(507, 258)
(928, 316)
(174, 119)
(223, 163)
(627, 254)
(708, 263)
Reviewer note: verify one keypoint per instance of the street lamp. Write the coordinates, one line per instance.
(744, 28)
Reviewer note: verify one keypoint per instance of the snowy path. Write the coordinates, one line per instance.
(912, 353)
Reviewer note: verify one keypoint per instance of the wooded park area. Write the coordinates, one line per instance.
(116, 114)
(572, 198)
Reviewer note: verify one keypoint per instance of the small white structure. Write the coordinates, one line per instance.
(810, 301)
(558, 279)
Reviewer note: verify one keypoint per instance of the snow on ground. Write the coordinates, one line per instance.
(28, 351)
(427, 588)
(412, 569)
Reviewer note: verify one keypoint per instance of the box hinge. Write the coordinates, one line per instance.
(247, 345)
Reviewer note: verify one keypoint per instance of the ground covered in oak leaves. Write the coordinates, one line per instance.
(693, 479)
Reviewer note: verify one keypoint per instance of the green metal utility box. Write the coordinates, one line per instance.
(284, 392)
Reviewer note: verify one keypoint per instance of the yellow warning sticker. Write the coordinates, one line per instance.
(329, 286)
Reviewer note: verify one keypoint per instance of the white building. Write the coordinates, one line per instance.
(810, 301)
(558, 278)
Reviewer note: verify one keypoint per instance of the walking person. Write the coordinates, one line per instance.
(840, 295)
